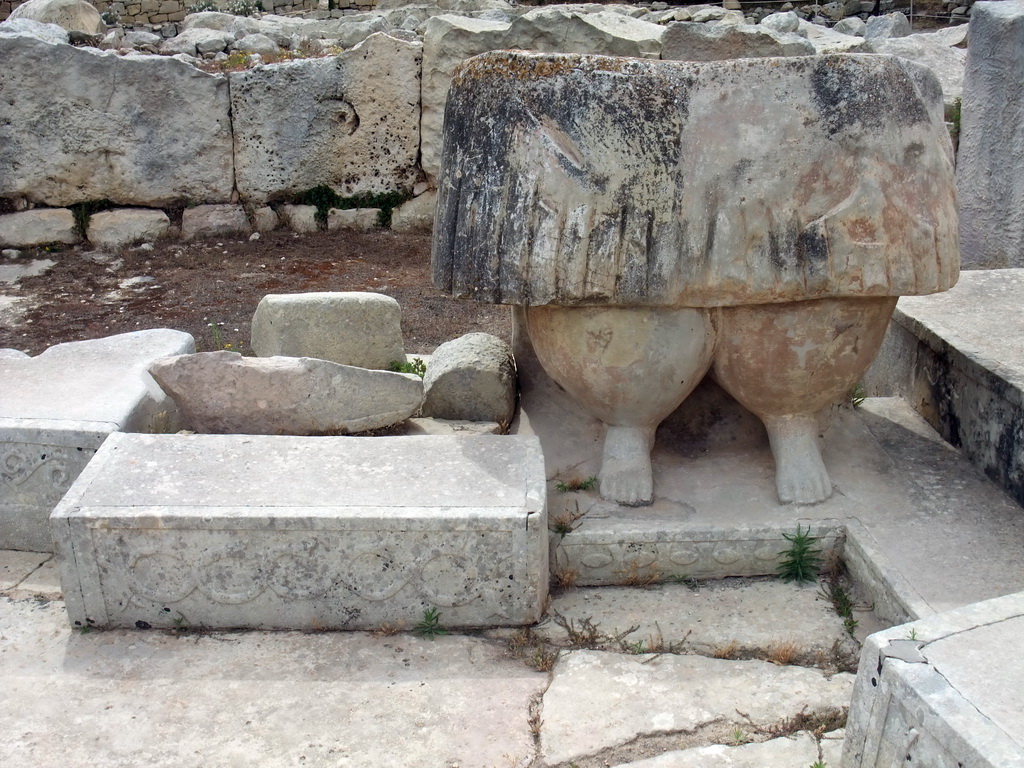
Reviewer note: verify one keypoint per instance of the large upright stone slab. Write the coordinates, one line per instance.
(56, 410)
(350, 122)
(77, 124)
(989, 184)
(305, 533)
(449, 40)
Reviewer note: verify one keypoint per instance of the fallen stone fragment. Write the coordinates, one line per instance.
(38, 227)
(126, 226)
(349, 328)
(598, 701)
(214, 221)
(472, 378)
(225, 393)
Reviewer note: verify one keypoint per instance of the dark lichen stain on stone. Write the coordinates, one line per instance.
(849, 95)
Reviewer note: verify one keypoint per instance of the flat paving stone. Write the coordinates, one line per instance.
(43, 582)
(131, 698)
(15, 567)
(797, 751)
(598, 700)
(739, 617)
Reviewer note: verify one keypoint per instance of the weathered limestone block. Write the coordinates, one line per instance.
(690, 41)
(265, 219)
(72, 15)
(353, 328)
(890, 25)
(450, 40)
(826, 40)
(68, 135)
(989, 182)
(225, 393)
(946, 62)
(49, 33)
(416, 215)
(56, 410)
(257, 43)
(196, 41)
(306, 532)
(299, 218)
(126, 226)
(851, 26)
(38, 227)
(213, 221)
(472, 378)
(356, 219)
(351, 122)
(604, 196)
(786, 21)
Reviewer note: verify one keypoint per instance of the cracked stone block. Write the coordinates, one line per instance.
(59, 407)
(306, 532)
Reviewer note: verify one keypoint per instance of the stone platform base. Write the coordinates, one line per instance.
(268, 532)
(944, 691)
(57, 408)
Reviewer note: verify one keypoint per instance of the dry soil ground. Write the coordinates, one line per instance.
(211, 288)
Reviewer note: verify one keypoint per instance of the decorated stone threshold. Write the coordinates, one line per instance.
(278, 532)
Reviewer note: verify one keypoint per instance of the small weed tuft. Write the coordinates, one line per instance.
(577, 485)
(726, 651)
(738, 737)
(783, 652)
(801, 562)
(532, 650)
(84, 211)
(633, 575)
(430, 625)
(565, 578)
(857, 396)
(416, 365)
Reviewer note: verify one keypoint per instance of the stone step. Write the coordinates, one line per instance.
(58, 407)
(613, 706)
(957, 358)
(281, 532)
(798, 751)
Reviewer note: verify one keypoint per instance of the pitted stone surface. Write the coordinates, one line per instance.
(225, 393)
(309, 533)
(600, 700)
(541, 151)
(350, 122)
(350, 328)
(67, 135)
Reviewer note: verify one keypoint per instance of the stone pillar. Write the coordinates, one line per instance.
(989, 179)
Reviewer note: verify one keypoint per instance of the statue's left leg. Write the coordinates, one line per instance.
(785, 362)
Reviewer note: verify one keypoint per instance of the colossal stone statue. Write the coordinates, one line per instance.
(657, 219)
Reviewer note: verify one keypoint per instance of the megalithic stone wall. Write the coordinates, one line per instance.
(135, 12)
(989, 179)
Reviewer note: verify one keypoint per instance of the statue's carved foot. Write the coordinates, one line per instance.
(626, 475)
(800, 474)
